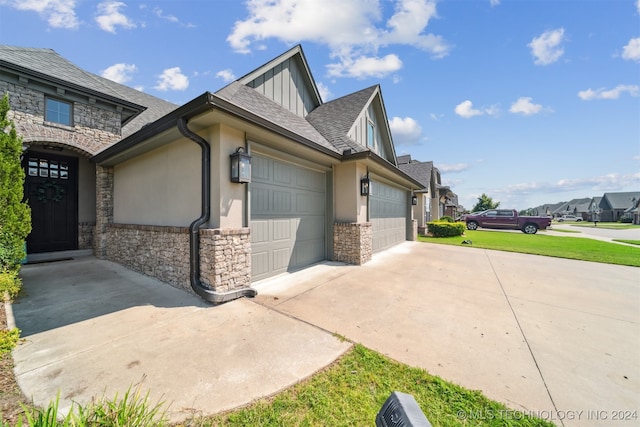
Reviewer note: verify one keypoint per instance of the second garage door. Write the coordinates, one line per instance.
(287, 217)
(388, 215)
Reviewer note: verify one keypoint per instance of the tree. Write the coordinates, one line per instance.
(485, 202)
(15, 215)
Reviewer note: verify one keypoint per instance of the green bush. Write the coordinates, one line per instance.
(446, 218)
(10, 283)
(445, 229)
(8, 339)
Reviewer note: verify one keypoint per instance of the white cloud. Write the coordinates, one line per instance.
(109, 16)
(363, 67)
(589, 94)
(405, 131)
(465, 109)
(325, 93)
(57, 13)
(354, 35)
(494, 2)
(453, 168)
(172, 79)
(525, 106)
(607, 182)
(226, 75)
(119, 73)
(638, 6)
(547, 47)
(632, 50)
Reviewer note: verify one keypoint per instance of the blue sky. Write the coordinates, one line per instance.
(528, 101)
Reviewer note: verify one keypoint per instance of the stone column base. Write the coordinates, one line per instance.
(225, 258)
(352, 242)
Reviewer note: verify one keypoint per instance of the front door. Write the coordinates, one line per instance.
(51, 187)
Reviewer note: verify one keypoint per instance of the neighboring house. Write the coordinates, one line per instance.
(146, 183)
(594, 209)
(577, 207)
(434, 200)
(614, 205)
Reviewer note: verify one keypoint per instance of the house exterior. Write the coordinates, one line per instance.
(614, 205)
(577, 207)
(146, 183)
(434, 200)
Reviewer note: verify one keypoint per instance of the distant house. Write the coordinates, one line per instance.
(594, 209)
(434, 200)
(156, 187)
(577, 207)
(614, 205)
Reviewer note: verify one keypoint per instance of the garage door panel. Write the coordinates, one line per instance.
(291, 201)
(388, 215)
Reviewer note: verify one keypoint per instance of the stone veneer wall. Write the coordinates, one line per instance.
(352, 242)
(163, 253)
(85, 235)
(159, 252)
(104, 209)
(93, 128)
(225, 258)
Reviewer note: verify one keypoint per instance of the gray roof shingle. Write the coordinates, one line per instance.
(335, 118)
(48, 65)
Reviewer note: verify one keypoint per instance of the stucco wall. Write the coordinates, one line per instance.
(350, 206)
(161, 187)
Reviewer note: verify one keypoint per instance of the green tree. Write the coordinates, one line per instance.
(485, 202)
(15, 215)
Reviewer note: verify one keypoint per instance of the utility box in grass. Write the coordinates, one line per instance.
(401, 410)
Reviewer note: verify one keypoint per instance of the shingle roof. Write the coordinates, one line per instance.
(420, 171)
(334, 119)
(49, 65)
(250, 100)
(619, 200)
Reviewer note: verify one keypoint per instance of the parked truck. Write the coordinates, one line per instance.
(507, 219)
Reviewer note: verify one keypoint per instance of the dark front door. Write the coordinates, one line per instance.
(51, 187)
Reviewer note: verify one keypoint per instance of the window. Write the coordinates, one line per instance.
(58, 112)
(371, 135)
(48, 168)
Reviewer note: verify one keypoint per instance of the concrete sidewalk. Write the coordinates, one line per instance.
(556, 338)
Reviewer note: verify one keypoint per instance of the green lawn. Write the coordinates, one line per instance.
(352, 391)
(540, 244)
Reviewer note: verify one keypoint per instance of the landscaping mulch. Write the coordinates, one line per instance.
(11, 397)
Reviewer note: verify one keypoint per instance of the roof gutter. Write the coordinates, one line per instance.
(205, 292)
(364, 155)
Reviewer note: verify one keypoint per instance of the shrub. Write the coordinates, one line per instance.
(10, 282)
(446, 218)
(445, 229)
(8, 340)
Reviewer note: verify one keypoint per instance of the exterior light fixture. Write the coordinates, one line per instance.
(364, 186)
(240, 166)
(414, 200)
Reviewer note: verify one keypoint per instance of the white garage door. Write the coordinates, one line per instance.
(388, 215)
(287, 217)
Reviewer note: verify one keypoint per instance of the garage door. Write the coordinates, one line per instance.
(287, 217)
(388, 215)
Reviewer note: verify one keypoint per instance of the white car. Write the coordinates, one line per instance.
(569, 218)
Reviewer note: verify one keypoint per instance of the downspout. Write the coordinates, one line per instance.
(204, 291)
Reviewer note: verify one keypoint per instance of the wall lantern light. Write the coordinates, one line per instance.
(414, 200)
(364, 186)
(240, 166)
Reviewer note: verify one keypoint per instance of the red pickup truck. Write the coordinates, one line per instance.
(507, 219)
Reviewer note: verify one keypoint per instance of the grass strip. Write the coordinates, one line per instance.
(352, 391)
(579, 248)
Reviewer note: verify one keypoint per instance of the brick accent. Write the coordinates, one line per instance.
(352, 242)
(163, 253)
(93, 128)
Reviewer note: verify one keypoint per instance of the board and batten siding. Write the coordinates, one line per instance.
(286, 85)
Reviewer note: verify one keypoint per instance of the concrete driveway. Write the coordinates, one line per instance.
(555, 338)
